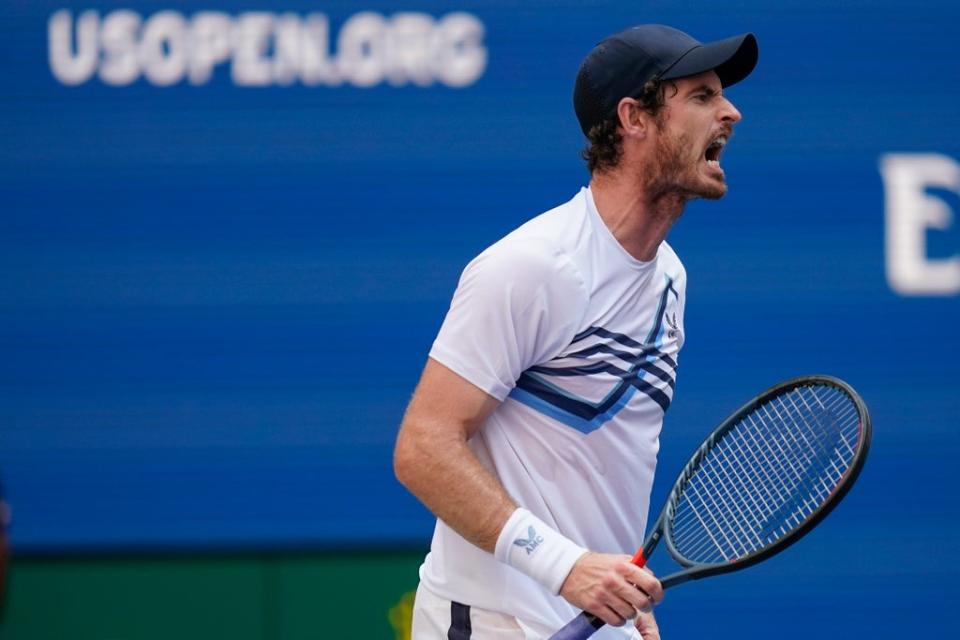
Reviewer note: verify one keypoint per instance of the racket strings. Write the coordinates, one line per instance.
(763, 498)
(767, 474)
(740, 514)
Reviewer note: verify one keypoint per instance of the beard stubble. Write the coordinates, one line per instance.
(675, 175)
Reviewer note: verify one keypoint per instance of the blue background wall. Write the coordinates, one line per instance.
(215, 299)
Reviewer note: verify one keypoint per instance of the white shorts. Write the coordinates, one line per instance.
(435, 618)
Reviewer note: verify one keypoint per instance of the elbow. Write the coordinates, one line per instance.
(404, 458)
(400, 466)
(419, 449)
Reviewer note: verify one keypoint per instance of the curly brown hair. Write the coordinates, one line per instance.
(606, 141)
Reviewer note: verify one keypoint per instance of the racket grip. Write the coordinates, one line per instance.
(581, 627)
(585, 624)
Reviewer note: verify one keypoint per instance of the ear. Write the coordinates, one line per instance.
(634, 120)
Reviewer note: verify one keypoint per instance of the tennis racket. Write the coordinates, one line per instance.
(760, 482)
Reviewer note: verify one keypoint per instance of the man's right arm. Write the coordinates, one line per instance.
(433, 461)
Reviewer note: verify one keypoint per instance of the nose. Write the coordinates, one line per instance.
(729, 113)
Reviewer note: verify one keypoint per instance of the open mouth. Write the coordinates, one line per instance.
(712, 154)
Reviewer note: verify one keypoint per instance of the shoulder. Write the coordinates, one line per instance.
(528, 263)
(669, 256)
(671, 264)
(537, 255)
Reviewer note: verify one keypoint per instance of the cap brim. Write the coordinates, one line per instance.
(733, 59)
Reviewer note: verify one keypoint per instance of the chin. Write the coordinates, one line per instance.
(712, 190)
(715, 193)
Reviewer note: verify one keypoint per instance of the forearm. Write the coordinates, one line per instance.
(457, 487)
(449, 479)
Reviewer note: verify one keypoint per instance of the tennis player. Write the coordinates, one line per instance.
(534, 430)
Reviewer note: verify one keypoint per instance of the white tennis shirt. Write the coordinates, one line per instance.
(579, 341)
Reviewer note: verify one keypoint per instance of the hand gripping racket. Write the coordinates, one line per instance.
(760, 482)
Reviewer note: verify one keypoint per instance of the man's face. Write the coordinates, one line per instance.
(691, 130)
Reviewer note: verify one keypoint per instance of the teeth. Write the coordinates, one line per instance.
(722, 140)
(713, 163)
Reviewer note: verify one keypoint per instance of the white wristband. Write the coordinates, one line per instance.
(528, 544)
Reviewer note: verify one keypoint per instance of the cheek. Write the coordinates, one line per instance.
(687, 147)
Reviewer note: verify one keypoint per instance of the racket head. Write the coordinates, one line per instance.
(761, 513)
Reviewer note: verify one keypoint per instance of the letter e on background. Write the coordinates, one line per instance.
(910, 212)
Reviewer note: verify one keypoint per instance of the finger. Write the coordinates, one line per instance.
(622, 607)
(646, 624)
(647, 582)
(637, 598)
(610, 617)
(612, 609)
(626, 589)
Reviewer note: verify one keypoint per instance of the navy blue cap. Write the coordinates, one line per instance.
(621, 64)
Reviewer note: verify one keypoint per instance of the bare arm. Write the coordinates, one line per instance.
(433, 461)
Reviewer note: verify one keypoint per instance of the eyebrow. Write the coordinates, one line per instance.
(705, 88)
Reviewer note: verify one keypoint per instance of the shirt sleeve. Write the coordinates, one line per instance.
(515, 307)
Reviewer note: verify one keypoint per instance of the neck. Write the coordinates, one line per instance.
(638, 217)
